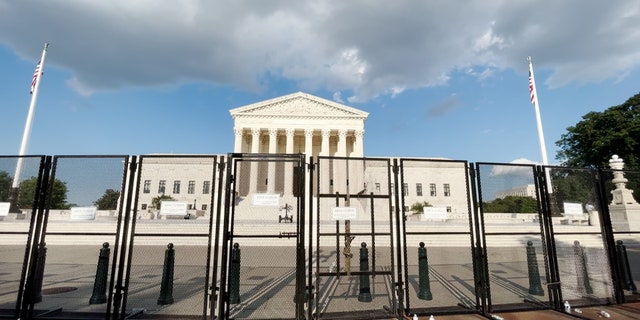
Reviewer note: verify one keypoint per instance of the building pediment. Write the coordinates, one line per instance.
(299, 104)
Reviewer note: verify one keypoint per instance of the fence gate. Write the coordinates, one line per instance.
(437, 239)
(354, 254)
(262, 256)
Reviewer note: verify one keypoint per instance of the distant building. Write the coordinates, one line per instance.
(528, 190)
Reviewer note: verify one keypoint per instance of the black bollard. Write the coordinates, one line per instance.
(423, 274)
(100, 283)
(535, 287)
(166, 287)
(582, 273)
(623, 265)
(36, 294)
(234, 275)
(365, 289)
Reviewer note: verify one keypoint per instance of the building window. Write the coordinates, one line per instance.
(191, 188)
(161, 186)
(206, 187)
(144, 206)
(419, 189)
(432, 188)
(147, 186)
(447, 190)
(377, 186)
(405, 189)
(176, 186)
(448, 208)
(204, 207)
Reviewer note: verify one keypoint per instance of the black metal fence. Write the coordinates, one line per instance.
(264, 236)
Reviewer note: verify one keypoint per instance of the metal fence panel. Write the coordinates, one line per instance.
(262, 249)
(17, 217)
(437, 226)
(581, 252)
(81, 220)
(169, 267)
(513, 239)
(354, 240)
(624, 209)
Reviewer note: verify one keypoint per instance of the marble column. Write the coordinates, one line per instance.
(271, 176)
(255, 148)
(288, 169)
(308, 143)
(324, 167)
(358, 147)
(237, 147)
(340, 174)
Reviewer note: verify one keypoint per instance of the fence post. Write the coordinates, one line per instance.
(100, 283)
(623, 266)
(535, 287)
(423, 274)
(365, 290)
(582, 274)
(166, 287)
(234, 275)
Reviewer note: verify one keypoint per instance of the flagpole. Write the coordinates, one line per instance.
(27, 128)
(534, 100)
(533, 92)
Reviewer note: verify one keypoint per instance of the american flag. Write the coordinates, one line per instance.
(35, 77)
(532, 87)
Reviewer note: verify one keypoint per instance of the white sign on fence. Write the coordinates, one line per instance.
(83, 213)
(343, 213)
(266, 199)
(573, 209)
(173, 208)
(434, 213)
(4, 208)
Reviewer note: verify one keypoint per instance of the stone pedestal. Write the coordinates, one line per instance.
(624, 209)
(625, 217)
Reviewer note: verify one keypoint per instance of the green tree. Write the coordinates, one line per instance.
(592, 141)
(511, 204)
(108, 201)
(5, 185)
(57, 198)
(157, 201)
(418, 206)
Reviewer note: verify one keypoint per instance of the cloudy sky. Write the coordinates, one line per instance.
(439, 78)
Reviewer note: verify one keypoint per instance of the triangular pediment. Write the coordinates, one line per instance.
(298, 104)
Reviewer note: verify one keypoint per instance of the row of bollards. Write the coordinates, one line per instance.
(99, 295)
(166, 288)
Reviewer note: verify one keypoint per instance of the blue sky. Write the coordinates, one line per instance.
(438, 78)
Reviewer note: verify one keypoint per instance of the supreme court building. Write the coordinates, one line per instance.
(301, 123)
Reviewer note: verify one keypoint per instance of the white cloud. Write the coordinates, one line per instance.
(366, 49)
(520, 166)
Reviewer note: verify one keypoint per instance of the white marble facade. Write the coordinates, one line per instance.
(299, 123)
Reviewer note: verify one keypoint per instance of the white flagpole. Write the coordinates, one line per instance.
(533, 92)
(27, 127)
(534, 97)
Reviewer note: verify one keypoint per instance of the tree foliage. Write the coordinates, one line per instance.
(511, 204)
(600, 135)
(57, 198)
(108, 201)
(5, 186)
(418, 207)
